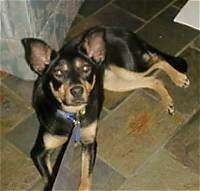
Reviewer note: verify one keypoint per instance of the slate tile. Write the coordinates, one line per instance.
(91, 6)
(110, 16)
(113, 16)
(13, 109)
(185, 144)
(21, 87)
(113, 99)
(67, 180)
(136, 129)
(17, 171)
(162, 173)
(76, 20)
(24, 134)
(187, 100)
(180, 3)
(145, 9)
(103, 178)
(166, 35)
(82, 26)
(38, 186)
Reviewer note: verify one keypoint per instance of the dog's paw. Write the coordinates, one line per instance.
(84, 187)
(182, 81)
(171, 109)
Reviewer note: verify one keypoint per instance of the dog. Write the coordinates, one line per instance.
(69, 90)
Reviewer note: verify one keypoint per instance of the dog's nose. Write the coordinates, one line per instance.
(77, 91)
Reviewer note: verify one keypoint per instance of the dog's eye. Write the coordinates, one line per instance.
(58, 73)
(86, 68)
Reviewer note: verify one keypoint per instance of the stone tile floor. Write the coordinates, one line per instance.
(141, 147)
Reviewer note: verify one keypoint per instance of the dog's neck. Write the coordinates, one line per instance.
(74, 119)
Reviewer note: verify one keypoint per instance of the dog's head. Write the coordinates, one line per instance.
(69, 76)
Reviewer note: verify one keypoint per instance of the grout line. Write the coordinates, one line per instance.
(157, 14)
(129, 13)
(106, 109)
(16, 148)
(176, 7)
(17, 96)
(186, 46)
(101, 8)
(195, 48)
(12, 128)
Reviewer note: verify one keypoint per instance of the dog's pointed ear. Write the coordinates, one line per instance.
(94, 44)
(37, 54)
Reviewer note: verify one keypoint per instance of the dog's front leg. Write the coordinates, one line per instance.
(41, 152)
(89, 148)
(88, 161)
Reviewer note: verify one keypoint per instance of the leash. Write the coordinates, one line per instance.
(74, 119)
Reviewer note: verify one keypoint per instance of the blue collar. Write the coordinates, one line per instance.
(73, 118)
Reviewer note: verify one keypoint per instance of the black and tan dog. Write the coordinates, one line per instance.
(68, 92)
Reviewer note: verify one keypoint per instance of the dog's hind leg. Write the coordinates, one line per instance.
(177, 77)
(116, 83)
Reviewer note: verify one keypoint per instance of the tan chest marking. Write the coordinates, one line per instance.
(88, 133)
(53, 141)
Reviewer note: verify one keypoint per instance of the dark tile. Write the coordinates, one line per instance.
(13, 109)
(166, 35)
(38, 186)
(186, 100)
(82, 26)
(91, 6)
(110, 16)
(185, 144)
(24, 135)
(113, 16)
(143, 8)
(21, 87)
(162, 172)
(76, 20)
(105, 178)
(135, 130)
(17, 171)
(180, 3)
(113, 99)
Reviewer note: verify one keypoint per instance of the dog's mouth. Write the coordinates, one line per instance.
(75, 102)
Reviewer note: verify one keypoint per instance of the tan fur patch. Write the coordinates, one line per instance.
(85, 183)
(88, 133)
(53, 141)
(87, 85)
(48, 162)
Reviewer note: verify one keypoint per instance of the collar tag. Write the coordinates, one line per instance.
(77, 131)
